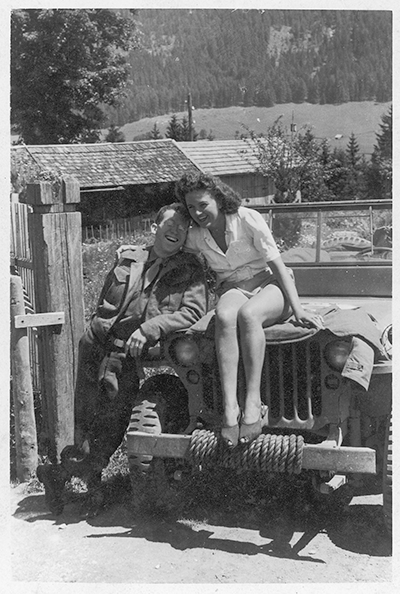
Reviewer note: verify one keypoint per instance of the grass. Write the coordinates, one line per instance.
(327, 121)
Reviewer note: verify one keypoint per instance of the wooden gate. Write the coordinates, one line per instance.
(46, 253)
(21, 264)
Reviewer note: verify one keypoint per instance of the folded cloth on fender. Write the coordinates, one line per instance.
(366, 344)
(355, 322)
(341, 322)
(359, 363)
(287, 331)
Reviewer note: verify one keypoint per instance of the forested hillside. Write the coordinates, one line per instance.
(254, 57)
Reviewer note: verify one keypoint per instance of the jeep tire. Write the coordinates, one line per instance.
(160, 407)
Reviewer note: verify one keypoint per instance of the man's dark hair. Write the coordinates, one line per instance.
(228, 200)
(177, 207)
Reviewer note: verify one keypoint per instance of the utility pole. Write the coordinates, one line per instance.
(189, 105)
(293, 130)
(293, 126)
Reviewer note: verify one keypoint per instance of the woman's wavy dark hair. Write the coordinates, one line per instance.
(228, 200)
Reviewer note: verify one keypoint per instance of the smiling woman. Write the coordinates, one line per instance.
(255, 291)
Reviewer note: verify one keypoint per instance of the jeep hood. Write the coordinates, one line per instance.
(379, 308)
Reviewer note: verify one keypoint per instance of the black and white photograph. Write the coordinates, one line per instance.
(198, 378)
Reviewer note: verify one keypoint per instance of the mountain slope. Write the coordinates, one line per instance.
(256, 58)
(326, 121)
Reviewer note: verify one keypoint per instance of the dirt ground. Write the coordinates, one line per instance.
(252, 541)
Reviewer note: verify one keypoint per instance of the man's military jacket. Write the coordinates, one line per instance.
(176, 299)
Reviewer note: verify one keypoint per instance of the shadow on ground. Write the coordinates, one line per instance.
(274, 505)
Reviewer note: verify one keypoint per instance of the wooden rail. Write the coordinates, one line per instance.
(24, 414)
(115, 229)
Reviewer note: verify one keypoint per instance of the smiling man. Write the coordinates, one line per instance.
(150, 292)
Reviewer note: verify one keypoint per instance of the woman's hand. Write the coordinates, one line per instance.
(308, 318)
(305, 318)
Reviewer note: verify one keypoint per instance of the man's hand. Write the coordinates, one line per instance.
(121, 249)
(135, 343)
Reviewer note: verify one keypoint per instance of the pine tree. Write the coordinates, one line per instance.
(335, 174)
(353, 151)
(174, 129)
(325, 152)
(313, 94)
(155, 133)
(185, 132)
(385, 138)
(114, 134)
(379, 172)
(299, 91)
(351, 172)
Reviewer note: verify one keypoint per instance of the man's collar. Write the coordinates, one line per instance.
(153, 256)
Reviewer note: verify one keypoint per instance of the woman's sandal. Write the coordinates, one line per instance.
(230, 435)
(249, 431)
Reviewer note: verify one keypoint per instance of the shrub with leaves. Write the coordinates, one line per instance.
(25, 171)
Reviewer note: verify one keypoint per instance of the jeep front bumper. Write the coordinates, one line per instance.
(337, 459)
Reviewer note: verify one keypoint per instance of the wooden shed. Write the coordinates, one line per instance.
(235, 163)
(117, 180)
(109, 165)
(126, 179)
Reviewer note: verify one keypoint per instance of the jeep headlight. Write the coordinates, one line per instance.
(387, 340)
(336, 353)
(184, 351)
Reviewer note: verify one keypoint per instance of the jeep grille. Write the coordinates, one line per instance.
(291, 384)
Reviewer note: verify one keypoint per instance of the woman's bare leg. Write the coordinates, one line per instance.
(227, 347)
(262, 310)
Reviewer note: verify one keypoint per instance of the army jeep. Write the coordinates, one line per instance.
(327, 394)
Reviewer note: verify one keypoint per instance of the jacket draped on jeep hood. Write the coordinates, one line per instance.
(355, 323)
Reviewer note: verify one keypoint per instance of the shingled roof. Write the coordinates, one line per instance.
(222, 157)
(112, 164)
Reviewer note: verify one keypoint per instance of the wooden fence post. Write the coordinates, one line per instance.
(56, 236)
(24, 412)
